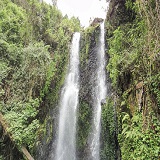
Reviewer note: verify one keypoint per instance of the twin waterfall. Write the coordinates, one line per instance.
(66, 138)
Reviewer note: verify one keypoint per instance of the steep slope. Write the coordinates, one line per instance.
(133, 40)
(34, 50)
(109, 148)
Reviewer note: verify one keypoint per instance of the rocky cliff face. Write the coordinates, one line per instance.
(136, 90)
(117, 15)
(88, 65)
(109, 143)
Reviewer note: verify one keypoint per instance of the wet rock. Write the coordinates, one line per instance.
(103, 102)
(97, 21)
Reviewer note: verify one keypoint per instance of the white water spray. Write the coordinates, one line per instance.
(66, 140)
(100, 91)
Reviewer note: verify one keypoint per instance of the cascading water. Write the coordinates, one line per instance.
(66, 139)
(99, 94)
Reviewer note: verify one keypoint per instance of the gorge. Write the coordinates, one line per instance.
(74, 93)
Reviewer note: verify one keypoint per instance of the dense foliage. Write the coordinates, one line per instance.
(137, 143)
(34, 48)
(109, 131)
(135, 60)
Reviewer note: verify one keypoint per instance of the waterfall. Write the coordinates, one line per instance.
(99, 94)
(66, 138)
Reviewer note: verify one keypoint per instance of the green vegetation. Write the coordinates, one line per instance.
(23, 124)
(125, 49)
(88, 41)
(134, 59)
(84, 125)
(34, 51)
(137, 143)
(109, 132)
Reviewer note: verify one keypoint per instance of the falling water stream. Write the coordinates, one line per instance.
(99, 94)
(66, 139)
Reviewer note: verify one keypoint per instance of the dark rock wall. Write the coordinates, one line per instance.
(109, 143)
(117, 15)
(89, 42)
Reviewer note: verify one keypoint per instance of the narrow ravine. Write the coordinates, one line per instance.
(99, 95)
(66, 138)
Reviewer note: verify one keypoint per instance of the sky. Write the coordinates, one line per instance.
(83, 9)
